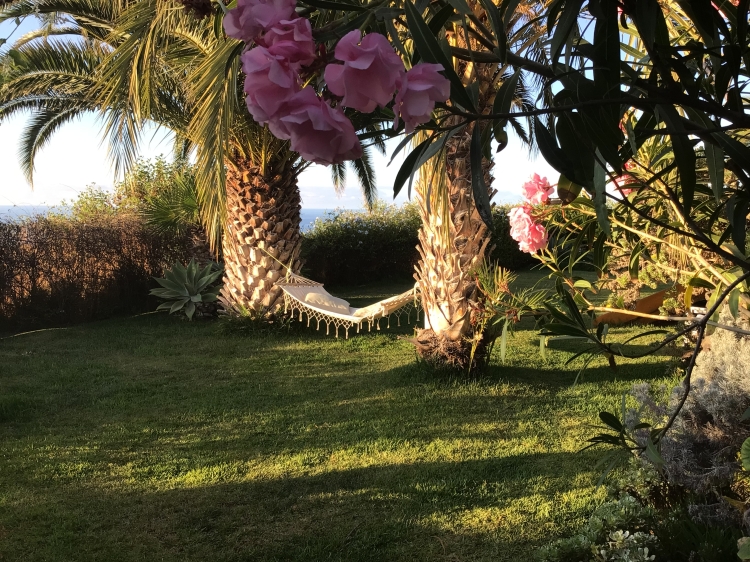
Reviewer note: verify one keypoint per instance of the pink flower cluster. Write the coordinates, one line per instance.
(537, 190)
(624, 179)
(371, 74)
(530, 235)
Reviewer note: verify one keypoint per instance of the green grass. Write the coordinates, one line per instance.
(149, 438)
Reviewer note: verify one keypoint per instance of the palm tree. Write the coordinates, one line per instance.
(454, 239)
(146, 61)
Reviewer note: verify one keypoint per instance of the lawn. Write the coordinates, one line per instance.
(150, 438)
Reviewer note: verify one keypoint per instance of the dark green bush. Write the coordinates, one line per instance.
(360, 246)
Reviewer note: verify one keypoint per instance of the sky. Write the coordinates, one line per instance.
(76, 158)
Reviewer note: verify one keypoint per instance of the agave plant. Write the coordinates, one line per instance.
(187, 289)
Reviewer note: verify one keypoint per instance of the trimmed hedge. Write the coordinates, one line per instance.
(56, 270)
(360, 246)
(349, 247)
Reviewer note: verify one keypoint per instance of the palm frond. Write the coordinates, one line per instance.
(38, 133)
(366, 175)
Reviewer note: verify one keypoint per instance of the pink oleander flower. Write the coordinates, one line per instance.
(530, 235)
(252, 17)
(293, 40)
(370, 73)
(418, 91)
(320, 133)
(622, 181)
(537, 190)
(269, 83)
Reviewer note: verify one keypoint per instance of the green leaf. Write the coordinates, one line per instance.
(649, 21)
(611, 421)
(733, 301)
(461, 7)
(575, 314)
(430, 51)
(410, 166)
(567, 191)
(745, 454)
(635, 257)
(715, 162)
(744, 552)
(702, 283)
(600, 252)
(172, 285)
(504, 342)
(503, 102)
(738, 221)
(653, 454)
(644, 335)
(479, 187)
(600, 197)
(684, 154)
(438, 21)
(712, 301)
(553, 328)
(549, 149)
(190, 310)
(178, 305)
(564, 27)
(498, 28)
(417, 158)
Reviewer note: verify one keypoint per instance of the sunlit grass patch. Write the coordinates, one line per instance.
(151, 438)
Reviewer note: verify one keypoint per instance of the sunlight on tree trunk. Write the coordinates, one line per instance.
(262, 237)
(452, 241)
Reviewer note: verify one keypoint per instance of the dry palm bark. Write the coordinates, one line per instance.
(453, 240)
(262, 237)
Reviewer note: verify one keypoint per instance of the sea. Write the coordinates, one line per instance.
(10, 213)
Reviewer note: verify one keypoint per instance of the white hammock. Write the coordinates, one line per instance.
(303, 295)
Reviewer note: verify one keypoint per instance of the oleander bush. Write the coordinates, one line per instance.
(59, 269)
(359, 246)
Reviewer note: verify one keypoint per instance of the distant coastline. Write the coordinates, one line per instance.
(10, 213)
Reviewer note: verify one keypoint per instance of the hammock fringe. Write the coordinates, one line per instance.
(296, 307)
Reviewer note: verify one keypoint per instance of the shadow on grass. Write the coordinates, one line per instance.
(397, 512)
(152, 439)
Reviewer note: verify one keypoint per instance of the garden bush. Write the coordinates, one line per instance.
(56, 270)
(692, 499)
(360, 246)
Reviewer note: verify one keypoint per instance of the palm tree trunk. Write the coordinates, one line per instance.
(262, 238)
(452, 241)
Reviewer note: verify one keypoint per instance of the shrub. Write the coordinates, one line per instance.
(617, 530)
(355, 247)
(190, 289)
(57, 270)
(360, 246)
(700, 452)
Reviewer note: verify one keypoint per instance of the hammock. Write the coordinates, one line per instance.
(303, 295)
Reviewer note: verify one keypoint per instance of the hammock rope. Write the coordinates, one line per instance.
(296, 287)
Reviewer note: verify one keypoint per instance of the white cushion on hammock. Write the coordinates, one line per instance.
(372, 310)
(326, 302)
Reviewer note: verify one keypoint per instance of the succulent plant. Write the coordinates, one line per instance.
(187, 289)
